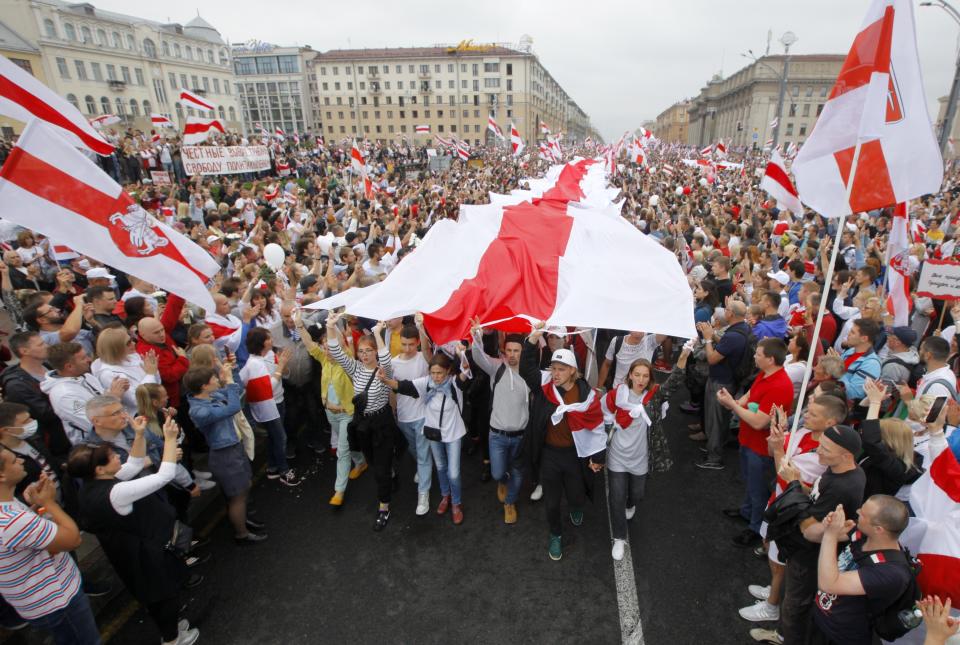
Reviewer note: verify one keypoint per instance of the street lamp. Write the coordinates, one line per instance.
(947, 124)
(787, 40)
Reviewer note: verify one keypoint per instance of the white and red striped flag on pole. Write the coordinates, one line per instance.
(721, 150)
(197, 130)
(874, 138)
(154, 137)
(463, 150)
(706, 152)
(104, 120)
(62, 252)
(196, 102)
(544, 130)
(279, 133)
(422, 129)
(516, 142)
(160, 121)
(23, 97)
(494, 128)
(52, 188)
(898, 275)
(775, 122)
(667, 169)
(357, 162)
(777, 183)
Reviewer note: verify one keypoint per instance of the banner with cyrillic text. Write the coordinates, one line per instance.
(940, 279)
(224, 160)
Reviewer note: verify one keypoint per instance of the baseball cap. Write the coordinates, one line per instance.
(564, 356)
(906, 335)
(555, 330)
(779, 276)
(99, 272)
(845, 437)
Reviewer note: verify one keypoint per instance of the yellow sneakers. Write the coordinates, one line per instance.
(509, 514)
(337, 498)
(358, 470)
(501, 492)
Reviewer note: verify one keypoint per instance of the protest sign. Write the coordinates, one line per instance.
(160, 177)
(224, 160)
(940, 279)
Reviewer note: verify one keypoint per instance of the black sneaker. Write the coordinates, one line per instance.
(381, 522)
(747, 538)
(290, 479)
(199, 543)
(485, 473)
(254, 525)
(706, 464)
(194, 581)
(250, 539)
(291, 452)
(196, 560)
(734, 514)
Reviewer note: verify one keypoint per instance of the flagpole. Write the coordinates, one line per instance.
(828, 279)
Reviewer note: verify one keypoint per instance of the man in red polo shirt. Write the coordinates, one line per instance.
(771, 387)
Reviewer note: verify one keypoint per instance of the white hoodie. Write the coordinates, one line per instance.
(69, 395)
(132, 370)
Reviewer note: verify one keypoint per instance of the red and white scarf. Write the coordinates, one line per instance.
(584, 418)
(227, 330)
(618, 409)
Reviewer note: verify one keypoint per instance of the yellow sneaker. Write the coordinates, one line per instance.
(337, 499)
(509, 514)
(358, 470)
(501, 492)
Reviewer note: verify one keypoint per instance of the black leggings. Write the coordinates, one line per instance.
(166, 614)
(376, 443)
(560, 473)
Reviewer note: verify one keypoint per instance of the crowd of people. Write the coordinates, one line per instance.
(122, 403)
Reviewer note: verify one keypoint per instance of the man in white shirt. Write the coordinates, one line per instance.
(627, 349)
(939, 379)
(411, 364)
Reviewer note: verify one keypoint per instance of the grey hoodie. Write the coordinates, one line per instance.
(893, 371)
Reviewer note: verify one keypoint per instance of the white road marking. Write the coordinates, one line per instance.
(631, 629)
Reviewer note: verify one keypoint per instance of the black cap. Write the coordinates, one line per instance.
(845, 437)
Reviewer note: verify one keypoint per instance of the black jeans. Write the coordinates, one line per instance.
(166, 613)
(303, 411)
(619, 483)
(800, 586)
(377, 443)
(560, 472)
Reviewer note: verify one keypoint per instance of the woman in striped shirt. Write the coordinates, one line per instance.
(373, 429)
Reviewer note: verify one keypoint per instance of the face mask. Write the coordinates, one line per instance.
(29, 430)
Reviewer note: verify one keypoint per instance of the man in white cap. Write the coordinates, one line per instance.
(551, 445)
(778, 281)
(99, 277)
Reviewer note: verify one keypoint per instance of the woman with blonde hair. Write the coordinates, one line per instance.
(888, 458)
(118, 358)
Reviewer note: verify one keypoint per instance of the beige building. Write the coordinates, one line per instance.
(26, 56)
(741, 107)
(384, 94)
(954, 130)
(273, 87)
(671, 124)
(110, 63)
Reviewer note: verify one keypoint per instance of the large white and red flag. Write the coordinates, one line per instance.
(898, 273)
(197, 129)
(494, 128)
(357, 163)
(196, 102)
(104, 120)
(878, 104)
(23, 97)
(52, 188)
(463, 150)
(515, 141)
(160, 121)
(422, 129)
(544, 130)
(777, 183)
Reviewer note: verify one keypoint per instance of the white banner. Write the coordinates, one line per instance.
(940, 279)
(224, 160)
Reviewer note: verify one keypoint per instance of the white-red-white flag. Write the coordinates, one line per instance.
(357, 162)
(775, 122)
(777, 183)
(196, 102)
(463, 150)
(516, 142)
(706, 152)
(877, 103)
(544, 130)
(154, 137)
(422, 129)
(160, 121)
(23, 97)
(196, 130)
(279, 133)
(720, 149)
(898, 274)
(50, 187)
(494, 128)
(103, 120)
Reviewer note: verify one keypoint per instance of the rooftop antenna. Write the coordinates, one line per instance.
(769, 38)
(723, 55)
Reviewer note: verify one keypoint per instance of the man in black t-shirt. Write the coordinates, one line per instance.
(869, 576)
(842, 484)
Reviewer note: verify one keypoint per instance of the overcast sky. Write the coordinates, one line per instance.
(622, 62)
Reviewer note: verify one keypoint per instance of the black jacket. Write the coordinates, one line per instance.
(540, 410)
(20, 387)
(886, 473)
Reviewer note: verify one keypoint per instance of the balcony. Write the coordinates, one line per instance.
(425, 89)
(116, 85)
(423, 74)
(375, 89)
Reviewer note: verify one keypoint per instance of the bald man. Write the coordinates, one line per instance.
(172, 361)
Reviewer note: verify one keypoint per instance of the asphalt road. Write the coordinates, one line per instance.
(326, 576)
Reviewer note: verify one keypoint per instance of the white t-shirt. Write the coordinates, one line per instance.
(935, 389)
(408, 369)
(629, 353)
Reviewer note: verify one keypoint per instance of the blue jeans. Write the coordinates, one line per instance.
(447, 458)
(504, 460)
(757, 473)
(276, 442)
(72, 625)
(419, 447)
(338, 425)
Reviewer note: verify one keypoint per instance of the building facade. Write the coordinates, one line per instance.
(273, 87)
(741, 107)
(109, 63)
(26, 56)
(384, 94)
(671, 124)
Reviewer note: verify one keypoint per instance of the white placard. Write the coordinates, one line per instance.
(224, 160)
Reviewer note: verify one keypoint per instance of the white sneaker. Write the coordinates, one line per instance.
(205, 484)
(761, 611)
(537, 493)
(188, 637)
(766, 635)
(202, 474)
(416, 478)
(758, 592)
(423, 503)
(183, 625)
(631, 511)
(618, 548)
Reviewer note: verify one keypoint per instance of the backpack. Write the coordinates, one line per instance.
(887, 623)
(917, 370)
(612, 373)
(746, 370)
(952, 387)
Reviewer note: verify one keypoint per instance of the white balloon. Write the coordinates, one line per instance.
(703, 181)
(655, 199)
(274, 255)
(679, 190)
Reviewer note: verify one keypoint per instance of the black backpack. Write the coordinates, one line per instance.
(887, 623)
(746, 370)
(917, 370)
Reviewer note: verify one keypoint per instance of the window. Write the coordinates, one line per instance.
(795, 90)
(424, 69)
(146, 108)
(363, 85)
(149, 48)
(81, 70)
(91, 104)
(364, 114)
(166, 48)
(138, 73)
(134, 108)
(183, 81)
(819, 108)
(436, 69)
(453, 128)
(340, 115)
(195, 85)
(823, 92)
(62, 67)
(206, 84)
(288, 64)
(476, 85)
(803, 130)
(806, 109)
(476, 69)
(176, 50)
(72, 100)
(463, 67)
(121, 110)
(509, 69)
(399, 85)
(390, 129)
(414, 114)
(346, 70)
(450, 68)
(125, 72)
(426, 114)
(491, 82)
(173, 81)
(410, 69)
(70, 30)
(325, 86)
(789, 131)
(399, 69)
(509, 84)
(131, 43)
(403, 114)
(97, 74)
(86, 36)
(210, 58)
(451, 85)
(216, 86)
(491, 67)
(349, 85)
(463, 84)
(336, 86)
(809, 91)
(188, 52)
(386, 69)
(793, 109)
(386, 85)
(223, 115)
(179, 109)
(438, 84)
(440, 127)
(105, 104)
(50, 29)
(115, 38)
